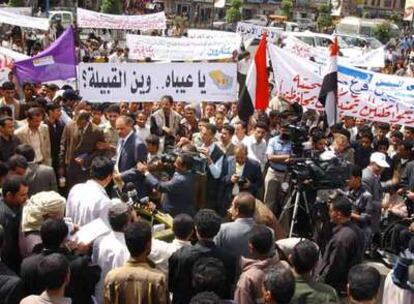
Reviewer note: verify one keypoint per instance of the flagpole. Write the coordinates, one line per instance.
(74, 54)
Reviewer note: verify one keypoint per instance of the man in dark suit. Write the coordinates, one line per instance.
(179, 191)
(11, 286)
(14, 196)
(243, 174)
(207, 225)
(56, 126)
(131, 150)
(39, 177)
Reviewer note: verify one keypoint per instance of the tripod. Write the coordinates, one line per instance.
(294, 202)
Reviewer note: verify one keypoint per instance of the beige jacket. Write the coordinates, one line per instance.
(23, 134)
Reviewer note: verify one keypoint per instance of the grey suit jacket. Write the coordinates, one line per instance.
(233, 237)
(40, 178)
(372, 184)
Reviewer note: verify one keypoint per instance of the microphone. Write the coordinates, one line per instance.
(132, 194)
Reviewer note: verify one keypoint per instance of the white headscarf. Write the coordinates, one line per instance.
(39, 205)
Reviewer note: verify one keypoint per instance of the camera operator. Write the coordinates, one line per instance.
(244, 174)
(278, 154)
(371, 182)
(179, 191)
(361, 201)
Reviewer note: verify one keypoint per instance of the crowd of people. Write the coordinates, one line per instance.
(65, 162)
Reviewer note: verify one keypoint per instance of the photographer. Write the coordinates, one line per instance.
(179, 191)
(361, 201)
(278, 154)
(244, 174)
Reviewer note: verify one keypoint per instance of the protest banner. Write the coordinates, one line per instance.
(183, 49)
(91, 19)
(408, 10)
(24, 21)
(252, 31)
(203, 34)
(57, 62)
(372, 59)
(149, 81)
(361, 93)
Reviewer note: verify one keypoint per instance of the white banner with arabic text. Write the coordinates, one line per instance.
(361, 93)
(149, 81)
(252, 31)
(174, 49)
(91, 19)
(371, 59)
(199, 33)
(24, 21)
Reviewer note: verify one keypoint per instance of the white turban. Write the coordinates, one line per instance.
(38, 206)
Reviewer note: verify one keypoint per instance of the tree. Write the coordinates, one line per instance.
(324, 19)
(16, 3)
(111, 7)
(396, 17)
(287, 6)
(233, 14)
(382, 31)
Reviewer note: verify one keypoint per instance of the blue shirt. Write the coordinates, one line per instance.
(277, 146)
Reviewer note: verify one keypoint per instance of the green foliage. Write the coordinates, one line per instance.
(16, 3)
(396, 17)
(236, 4)
(111, 7)
(382, 31)
(324, 19)
(233, 13)
(286, 7)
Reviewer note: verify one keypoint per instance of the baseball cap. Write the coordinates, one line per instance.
(71, 95)
(380, 159)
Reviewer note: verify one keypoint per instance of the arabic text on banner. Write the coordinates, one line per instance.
(199, 33)
(91, 19)
(24, 21)
(361, 93)
(372, 59)
(252, 31)
(169, 48)
(149, 81)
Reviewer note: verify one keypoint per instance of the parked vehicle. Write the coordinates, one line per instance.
(363, 27)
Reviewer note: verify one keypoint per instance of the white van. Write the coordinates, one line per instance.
(322, 41)
(66, 17)
(363, 27)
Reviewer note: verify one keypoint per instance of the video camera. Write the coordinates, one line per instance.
(320, 174)
(199, 162)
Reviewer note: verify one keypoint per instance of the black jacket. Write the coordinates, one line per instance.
(181, 264)
(11, 286)
(82, 281)
(344, 250)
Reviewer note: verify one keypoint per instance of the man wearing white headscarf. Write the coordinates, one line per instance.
(41, 206)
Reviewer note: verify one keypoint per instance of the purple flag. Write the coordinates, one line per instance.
(57, 62)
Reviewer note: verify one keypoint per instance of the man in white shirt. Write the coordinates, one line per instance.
(183, 227)
(142, 128)
(240, 136)
(110, 250)
(256, 144)
(89, 201)
(117, 56)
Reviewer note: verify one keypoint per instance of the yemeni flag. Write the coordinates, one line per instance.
(328, 95)
(255, 94)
